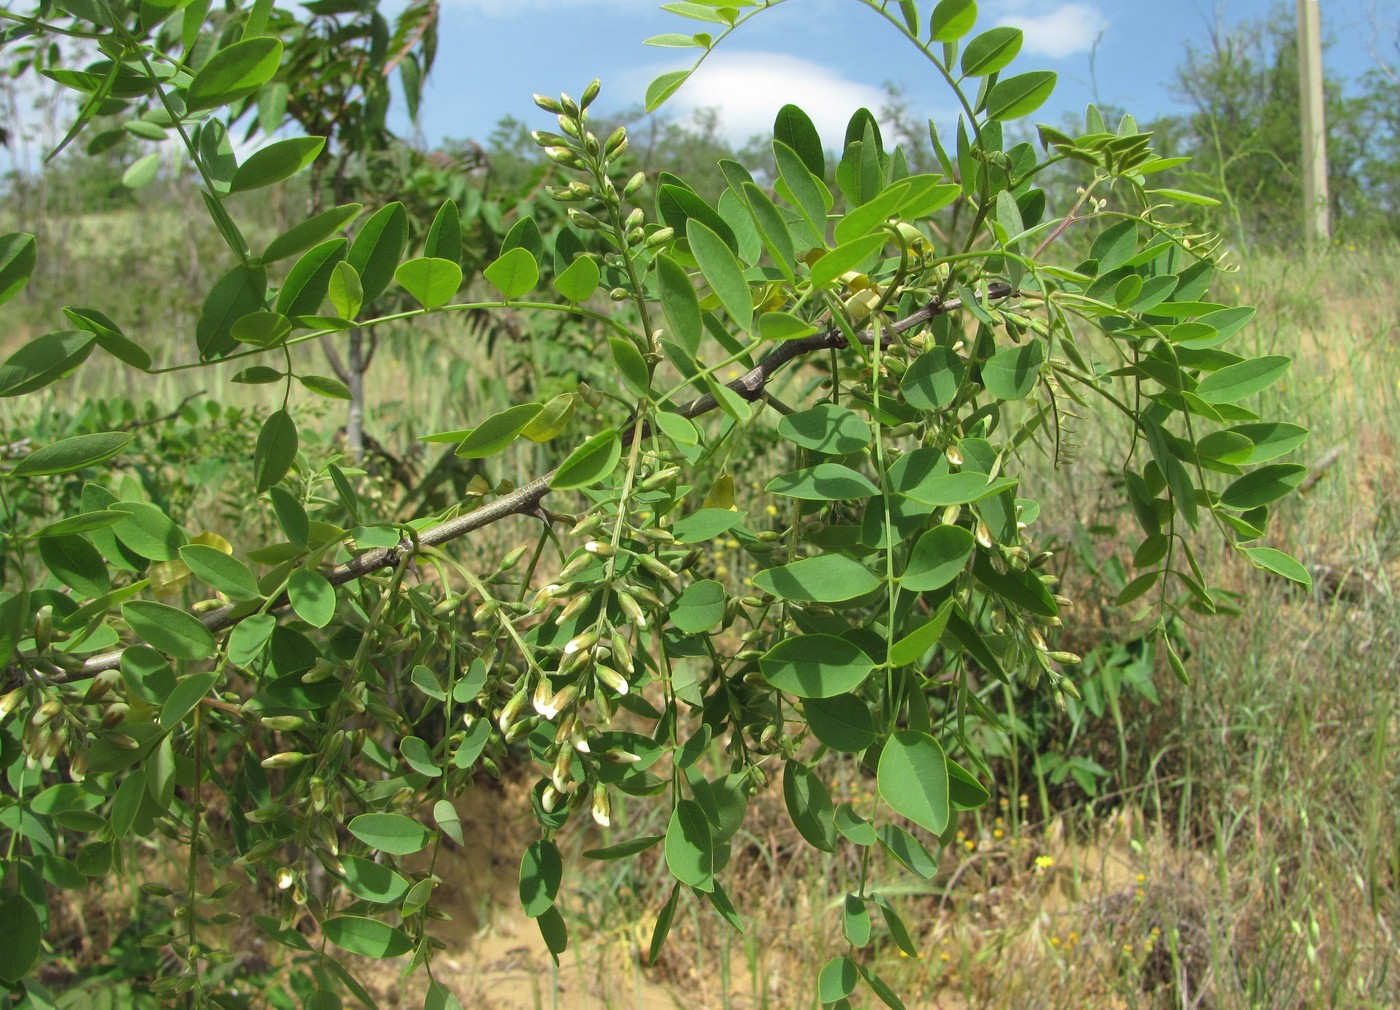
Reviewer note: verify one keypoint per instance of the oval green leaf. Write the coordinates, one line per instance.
(168, 630)
(433, 281)
(913, 779)
(815, 666)
(73, 453)
(392, 833)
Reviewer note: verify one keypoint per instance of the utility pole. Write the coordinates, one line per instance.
(1316, 217)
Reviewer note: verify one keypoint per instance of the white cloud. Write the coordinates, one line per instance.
(1064, 31)
(748, 88)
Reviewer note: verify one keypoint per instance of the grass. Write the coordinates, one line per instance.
(1240, 849)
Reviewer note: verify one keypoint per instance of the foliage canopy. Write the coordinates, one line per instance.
(915, 336)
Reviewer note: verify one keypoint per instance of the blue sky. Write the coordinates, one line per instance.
(835, 55)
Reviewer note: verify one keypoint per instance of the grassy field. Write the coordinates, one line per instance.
(1236, 846)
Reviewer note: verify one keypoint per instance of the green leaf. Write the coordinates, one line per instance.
(1115, 246)
(168, 630)
(444, 239)
(699, 607)
(188, 692)
(815, 666)
(346, 293)
(433, 281)
(20, 926)
(578, 280)
(624, 849)
(147, 531)
(324, 385)
(233, 73)
(236, 294)
(275, 162)
(1261, 486)
(826, 578)
(663, 87)
(826, 428)
(847, 256)
(275, 451)
(514, 273)
(44, 360)
(373, 881)
(73, 453)
(590, 462)
(957, 488)
(899, 932)
(18, 255)
(842, 722)
(805, 188)
(541, 869)
(142, 172)
(853, 826)
(1021, 95)
(908, 850)
(784, 326)
(261, 329)
(663, 925)
(365, 936)
(795, 129)
(722, 270)
(991, 51)
(690, 853)
(498, 431)
(631, 366)
(913, 779)
(552, 419)
(809, 805)
(939, 556)
(705, 524)
(823, 482)
(772, 229)
(309, 279)
(76, 563)
(1244, 378)
(110, 337)
(221, 571)
(951, 20)
(1012, 373)
(1271, 439)
(378, 245)
(679, 303)
(933, 379)
(964, 791)
(312, 596)
(911, 647)
(881, 988)
(392, 833)
(837, 979)
(1279, 563)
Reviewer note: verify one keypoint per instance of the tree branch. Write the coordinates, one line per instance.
(524, 499)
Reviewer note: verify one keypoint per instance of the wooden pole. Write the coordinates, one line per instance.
(1316, 216)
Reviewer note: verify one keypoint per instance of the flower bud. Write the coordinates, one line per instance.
(610, 678)
(547, 104)
(590, 93)
(602, 806)
(634, 184)
(286, 759)
(583, 219)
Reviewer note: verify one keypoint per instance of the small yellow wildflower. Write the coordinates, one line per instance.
(1142, 878)
(1054, 941)
(1043, 863)
(969, 845)
(772, 510)
(997, 832)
